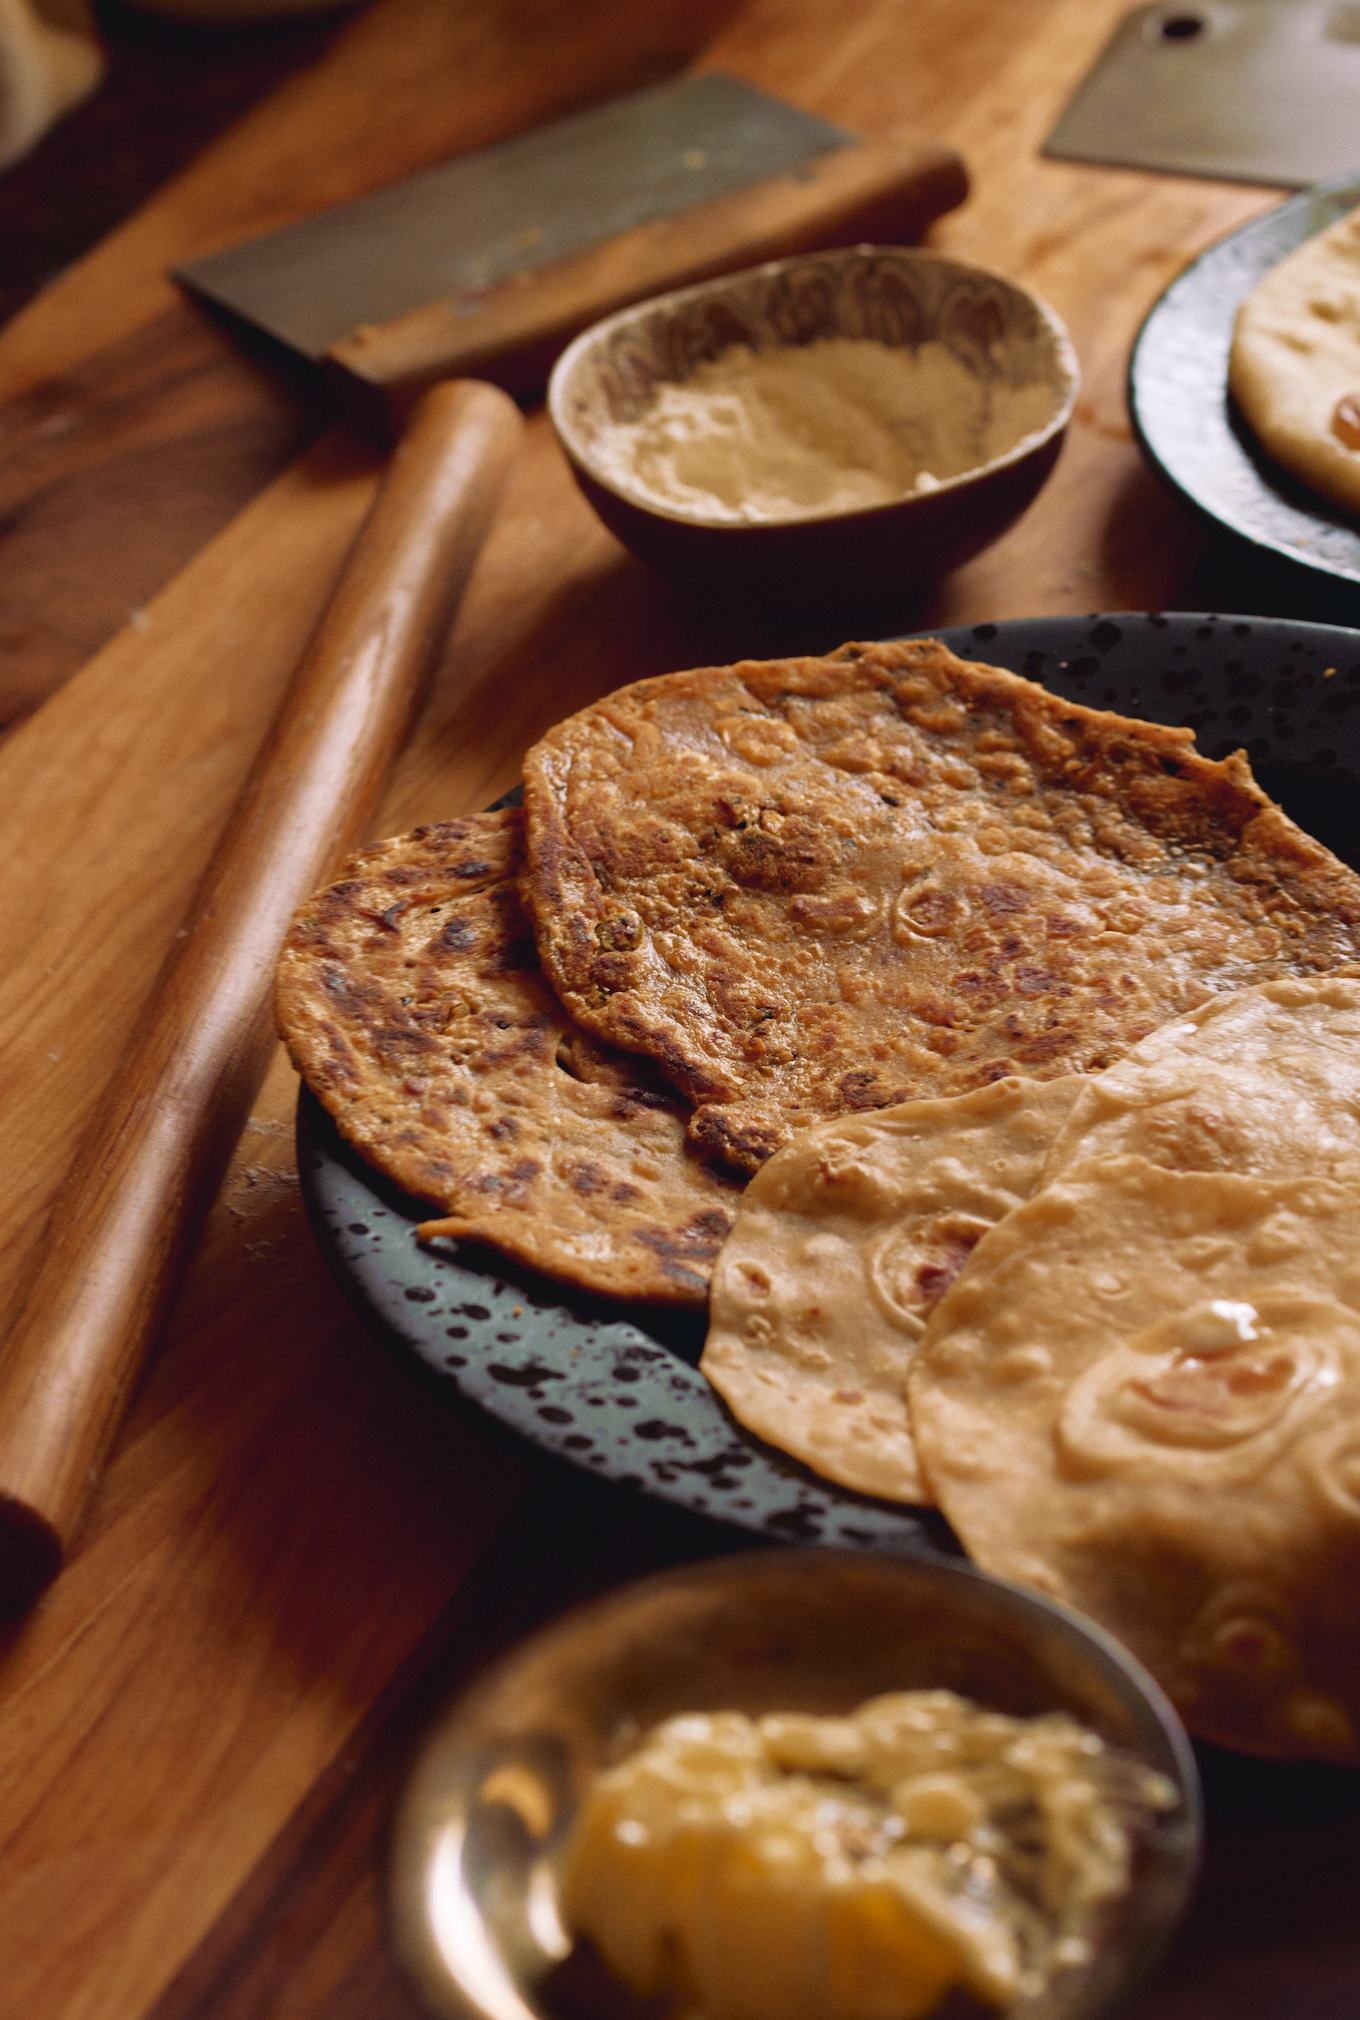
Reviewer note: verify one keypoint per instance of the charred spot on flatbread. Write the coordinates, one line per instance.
(809, 887)
(410, 999)
(842, 1245)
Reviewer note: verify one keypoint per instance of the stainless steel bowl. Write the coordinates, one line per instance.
(494, 1793)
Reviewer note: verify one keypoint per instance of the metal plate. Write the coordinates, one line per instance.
(511, 209)
(616, 1392)
(1178, 394)
(1242, 90)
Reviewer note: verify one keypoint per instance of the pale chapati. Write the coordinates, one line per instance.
(1264, 1082)
(1294, 366)
(1143, 1397)
(843, 1242)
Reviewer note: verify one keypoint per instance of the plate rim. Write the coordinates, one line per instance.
(1277, 228)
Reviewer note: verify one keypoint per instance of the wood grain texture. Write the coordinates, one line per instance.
(132, 427)
(157, 1144)
(306, 1934)
(169, 88)
(115, 473)
(287, 1518)
(406, 84)
(112, 799)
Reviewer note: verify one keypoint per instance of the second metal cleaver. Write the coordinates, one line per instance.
(1247, 90)
(489, 265)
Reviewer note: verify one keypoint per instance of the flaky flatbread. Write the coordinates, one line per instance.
(1143, 1397)
(843, 1243)
(410, 1000)
(811, 886)
(1295, 360)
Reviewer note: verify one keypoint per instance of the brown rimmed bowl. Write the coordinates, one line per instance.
(896, 295)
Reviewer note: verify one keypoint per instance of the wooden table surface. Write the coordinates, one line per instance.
(297, 1551)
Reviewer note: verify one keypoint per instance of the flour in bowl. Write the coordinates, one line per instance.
(801, 430)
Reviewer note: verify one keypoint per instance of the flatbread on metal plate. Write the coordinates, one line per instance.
(1294, 365)
(410, 1000)
(1143, 1397)
(843, 1242)
(812, 886)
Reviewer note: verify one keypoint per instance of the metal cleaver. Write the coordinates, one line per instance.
(1247, 90)
(488, 266)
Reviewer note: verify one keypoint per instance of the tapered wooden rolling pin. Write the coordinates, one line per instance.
(156, 1150)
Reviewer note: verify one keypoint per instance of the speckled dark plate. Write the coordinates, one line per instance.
(1178, 393)
(616, 1392)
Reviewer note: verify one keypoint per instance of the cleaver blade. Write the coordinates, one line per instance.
(1240, 90)
(492, 262)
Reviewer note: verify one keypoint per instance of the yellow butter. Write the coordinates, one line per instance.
(797, 1868)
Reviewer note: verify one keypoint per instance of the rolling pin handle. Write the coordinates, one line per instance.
(160, 1138)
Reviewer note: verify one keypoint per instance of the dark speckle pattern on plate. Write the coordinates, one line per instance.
(1178, 393)
(611, 1390)
(616, 1391)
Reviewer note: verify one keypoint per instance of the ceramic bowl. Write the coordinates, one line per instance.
(1002, 335)
(494, 1793)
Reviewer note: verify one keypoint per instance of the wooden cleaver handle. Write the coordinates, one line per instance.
(886, 188)
(157, 1147)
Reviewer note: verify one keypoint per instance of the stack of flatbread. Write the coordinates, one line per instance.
(1111, 1326)
(872, 932)
(412, 1002)
(743, 899)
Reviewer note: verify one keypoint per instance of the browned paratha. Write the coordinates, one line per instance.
(808, 886)
(411, 1002)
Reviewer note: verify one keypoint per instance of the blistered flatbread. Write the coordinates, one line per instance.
(842, 1244)
(1295, 361)
(1264, 1082)
(1143, 1397)
(411, 1002)
(810, 887)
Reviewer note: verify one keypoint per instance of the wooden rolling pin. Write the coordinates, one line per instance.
(158, 1145)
